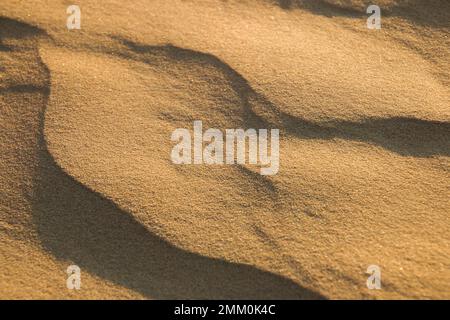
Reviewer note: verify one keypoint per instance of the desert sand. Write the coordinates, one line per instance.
(85, 171)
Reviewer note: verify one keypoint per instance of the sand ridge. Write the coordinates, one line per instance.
(106, 196)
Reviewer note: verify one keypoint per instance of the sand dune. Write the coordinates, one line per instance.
(87, 178)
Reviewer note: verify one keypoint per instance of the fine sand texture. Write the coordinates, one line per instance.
(86, 176)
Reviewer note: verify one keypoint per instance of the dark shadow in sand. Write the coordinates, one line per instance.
(77, 224)
(319, 7)
(404, 136)
(80, 225)
(432, 13)
(22, 88)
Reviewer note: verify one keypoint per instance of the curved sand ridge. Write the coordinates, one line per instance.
(356, 187)
(112, 133)
(76, 224)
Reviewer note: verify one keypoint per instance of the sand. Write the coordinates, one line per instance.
(85, 170)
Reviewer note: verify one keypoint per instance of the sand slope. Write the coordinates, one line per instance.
(364, 119)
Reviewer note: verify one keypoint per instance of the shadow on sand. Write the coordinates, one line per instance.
(77, 224)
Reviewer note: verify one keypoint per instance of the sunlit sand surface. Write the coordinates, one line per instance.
(87, 178)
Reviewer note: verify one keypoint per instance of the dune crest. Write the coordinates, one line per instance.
(169, 88)
(364, 149)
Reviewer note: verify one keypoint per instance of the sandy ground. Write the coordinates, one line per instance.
(86, 176)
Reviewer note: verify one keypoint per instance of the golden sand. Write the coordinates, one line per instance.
(86, 175)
